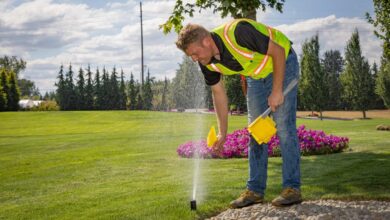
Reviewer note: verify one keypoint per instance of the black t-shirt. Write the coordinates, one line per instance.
(246, 36)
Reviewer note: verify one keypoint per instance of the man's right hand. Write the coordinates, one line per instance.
(221, 108)
(218, 145)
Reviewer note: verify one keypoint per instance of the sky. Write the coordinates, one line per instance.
(50, 33)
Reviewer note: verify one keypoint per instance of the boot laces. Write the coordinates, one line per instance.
(245, 193)
(287, 192)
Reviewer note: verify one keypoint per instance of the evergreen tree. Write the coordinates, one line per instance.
(52, 96)
(80, 91)
(3, 97)
(333, 64)
(132, 93)
(10, 68)
(377, 101)
(164, 103)
(122, 93)
(189, 86)
(98, 91)
(179, 97)
(61, 89)
(147, 95)
(89, 90)
(70, 92)
(209, 98)
(5, 86)
(46, 96)
(105, 90)
(160, 90)
(313, 90)
(14, 93)
(140, 105)
(356, 78)
(114, 91)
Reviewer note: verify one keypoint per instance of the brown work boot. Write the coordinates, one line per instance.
(288, 197)
(246, 198)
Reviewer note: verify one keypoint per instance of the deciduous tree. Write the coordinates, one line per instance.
(382, 24)
(233, 8)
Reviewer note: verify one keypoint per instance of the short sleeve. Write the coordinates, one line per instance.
(210, 77)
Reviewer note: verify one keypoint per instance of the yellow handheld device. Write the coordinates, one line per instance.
(211, 137)
(263, 128)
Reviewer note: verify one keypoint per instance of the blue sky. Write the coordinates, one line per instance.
(48, 33)
(296, 10)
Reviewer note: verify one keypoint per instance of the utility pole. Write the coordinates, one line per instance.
(142, 48)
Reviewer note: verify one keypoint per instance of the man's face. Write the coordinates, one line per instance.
(199, 52)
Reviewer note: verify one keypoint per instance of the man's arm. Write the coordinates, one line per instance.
(220, 101)
(247, 36)
(279, 64)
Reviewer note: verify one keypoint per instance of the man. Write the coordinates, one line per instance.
(265, 57)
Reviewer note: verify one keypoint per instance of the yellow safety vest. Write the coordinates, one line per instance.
(254, 64)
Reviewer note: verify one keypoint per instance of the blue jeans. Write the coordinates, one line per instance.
(285, 118)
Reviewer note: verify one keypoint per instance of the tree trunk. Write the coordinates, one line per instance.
(364, 114)
(252, 14)
(321, 115)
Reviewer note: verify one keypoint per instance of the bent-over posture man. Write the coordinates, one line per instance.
(264, 56)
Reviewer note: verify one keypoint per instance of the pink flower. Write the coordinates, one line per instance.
(236, 145)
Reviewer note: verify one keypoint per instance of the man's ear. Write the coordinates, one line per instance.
(206, 42)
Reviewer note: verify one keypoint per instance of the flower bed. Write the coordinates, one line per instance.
(311, 142)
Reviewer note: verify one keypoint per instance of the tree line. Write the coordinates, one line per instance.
(104, 90)
(9, 89)
(101, 90)
(337, 83)
(12, 87)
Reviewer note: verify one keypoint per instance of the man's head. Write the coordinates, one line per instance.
(196, 42)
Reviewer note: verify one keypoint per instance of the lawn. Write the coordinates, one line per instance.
(123, 165)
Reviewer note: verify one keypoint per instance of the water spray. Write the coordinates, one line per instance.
(195, 180)
(211, 139)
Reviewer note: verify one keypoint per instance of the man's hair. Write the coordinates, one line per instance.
(191, 33)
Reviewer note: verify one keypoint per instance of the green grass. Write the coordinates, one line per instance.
(123, 165)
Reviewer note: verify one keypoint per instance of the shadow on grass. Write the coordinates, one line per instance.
(342, 176)
(346, 176)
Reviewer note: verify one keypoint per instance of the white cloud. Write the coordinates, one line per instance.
(333, 34)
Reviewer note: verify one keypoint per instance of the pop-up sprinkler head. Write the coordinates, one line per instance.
(193, 204)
